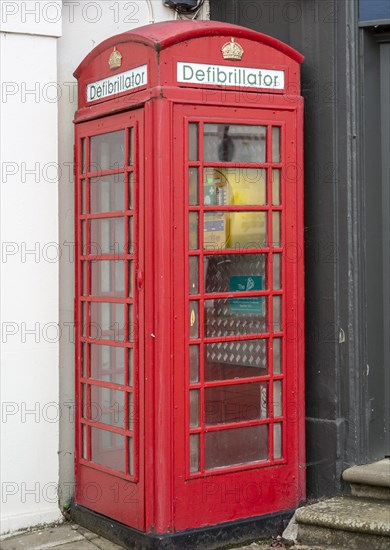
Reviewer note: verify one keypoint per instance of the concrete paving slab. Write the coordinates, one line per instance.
(63, 537)
(79, 545)
(104, 544)
(43, 539)
(84, 532)
(74, 537)
(98, 542)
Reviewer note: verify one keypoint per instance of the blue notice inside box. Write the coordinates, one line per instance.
(251, 305)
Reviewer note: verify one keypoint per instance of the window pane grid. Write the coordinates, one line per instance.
(111, 288)
(197, 461)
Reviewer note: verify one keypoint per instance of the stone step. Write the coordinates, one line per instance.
(370, 480)
(345, 522)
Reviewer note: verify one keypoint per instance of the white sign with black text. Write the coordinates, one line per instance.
(122, 82)
(225, 75)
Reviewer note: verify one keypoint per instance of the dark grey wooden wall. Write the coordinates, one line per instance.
(339, 402)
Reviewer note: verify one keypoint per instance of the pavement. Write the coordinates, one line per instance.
(69, 536)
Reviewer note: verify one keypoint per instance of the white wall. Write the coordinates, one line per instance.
(31, 17)
(29, 280)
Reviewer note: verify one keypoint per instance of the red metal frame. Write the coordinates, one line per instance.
(204, 496)
(127, 485)
(162, 495)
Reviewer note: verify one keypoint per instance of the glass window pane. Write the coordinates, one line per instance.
(107, 193)
(229, 186)
(234, 143)
(84, 318)
(131, 190)
(131, 146)
(193, 141)
(84, 358)
(277, 441)
(85, 443)
(277, 355)
(194, 453)
(276, 187)
(194, 364)
(107, 151)
(193, 274)
(84, 403)
(193, 187)
(239, 403)
(276, 144)
(276, 229)
(107, 406)
(83, 155)
(131, 405)
(277, 313)
(84, 240)
(232, 360)
(194, 320)
(224, 318)
(236, 446)
(132, 325)
(107, 363)
(194, 408)
(107, 278)
(216, 230)
(193, 230)
(107, 321)
(276, 271)
(235, 272)
(131, 245)
(83, 191)
(108, 449)
(131, 278)
(240, 230)
(131, 366)
(84, 271)
(131, 456)
(278, 408)
(107, 236)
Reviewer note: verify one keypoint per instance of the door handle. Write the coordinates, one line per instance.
(140, 279)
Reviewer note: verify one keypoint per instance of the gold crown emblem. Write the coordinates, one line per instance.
(115, 59)
(232, 50)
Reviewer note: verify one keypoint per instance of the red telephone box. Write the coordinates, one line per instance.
(189, 285)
